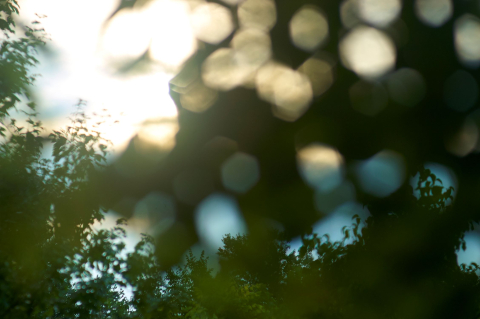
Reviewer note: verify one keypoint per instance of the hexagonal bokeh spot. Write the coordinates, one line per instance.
(467, 44)
(379, 13)
(257, 14)
(381, 174)
(308, 28)
(367, 51)
(434, 13)
(211, 22)
(240, 172)
(289, 90)
(321, 166)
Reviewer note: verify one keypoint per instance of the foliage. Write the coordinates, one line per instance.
(17, 56)
(46, 237)
(47, 242)
(53, 264)
(384, 267)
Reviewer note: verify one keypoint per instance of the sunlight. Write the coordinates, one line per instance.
(159, 134)
(161, 26)
(467, 34)
(368, 52)
(308, 28)
(173, 41)
(212, 22)
(258, 14)
(321, 166)
(434, 12)
(379, 12)
(289, 90)
(126, 36)
(216, 216)
(87, 54)
(133, 101)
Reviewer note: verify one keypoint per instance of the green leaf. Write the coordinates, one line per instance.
(57, 146)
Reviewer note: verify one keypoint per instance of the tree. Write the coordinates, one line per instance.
(387, 266)
(47, 210)
(47, 242)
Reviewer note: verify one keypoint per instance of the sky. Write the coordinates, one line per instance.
(85, 53)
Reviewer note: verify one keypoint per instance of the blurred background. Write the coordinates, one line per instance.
(362, 91)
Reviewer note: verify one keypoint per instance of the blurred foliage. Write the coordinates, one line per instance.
(47, 242)
(17, 55)
(47, 209)
(383, 267)
(53, 263)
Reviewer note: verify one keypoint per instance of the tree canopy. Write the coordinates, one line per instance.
(386, 267)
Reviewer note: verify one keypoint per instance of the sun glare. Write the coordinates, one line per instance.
(87, 56)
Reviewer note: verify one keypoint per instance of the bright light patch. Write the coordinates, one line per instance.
(382, 174)
(199, 98)
(217, 216)
(126, 35)
(434, 12)
(159, 134)
(293, 94)
(173, 40)
(333, 224)
(133, 229)
(320, 74)
(85, 56)
(445, 174)
(368, 52)
(227, 68)
(321, 166)
(467, 39)
(472, 253)
(290, 91)
(138, 99)
(252, 48)
(259, 14)
(308, 28)
(265, 79)
(212, 22)
(221, 71)
(379, 12)
(464, 140)
(232, 2)
(158, 25)
(79, 37)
